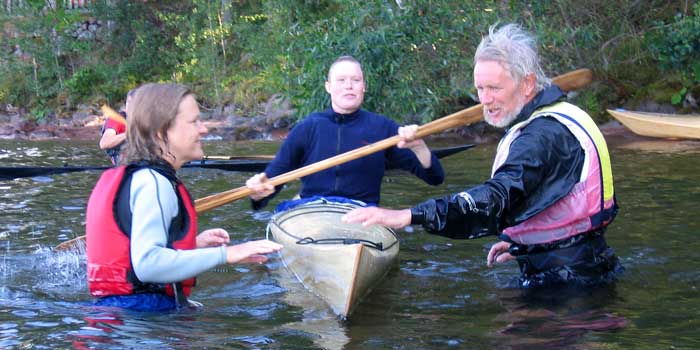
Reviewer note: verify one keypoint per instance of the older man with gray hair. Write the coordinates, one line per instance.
(550, 196)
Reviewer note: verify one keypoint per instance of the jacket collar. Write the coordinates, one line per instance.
(339, 118)
(159, 165)
(547, 96)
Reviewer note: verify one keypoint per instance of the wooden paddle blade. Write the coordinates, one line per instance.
(76, 243)
(569, 81)
(574, 80)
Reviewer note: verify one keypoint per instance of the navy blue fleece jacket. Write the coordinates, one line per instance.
(322, 135)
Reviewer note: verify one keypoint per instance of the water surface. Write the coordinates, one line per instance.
(440, 296)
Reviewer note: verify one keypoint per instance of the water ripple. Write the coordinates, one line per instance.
(42, 324)
(255, 340)
(25, 313)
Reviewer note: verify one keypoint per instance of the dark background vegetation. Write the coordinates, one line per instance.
(417, 54)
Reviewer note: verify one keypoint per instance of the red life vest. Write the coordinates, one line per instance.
(109, 267)
(119, 127)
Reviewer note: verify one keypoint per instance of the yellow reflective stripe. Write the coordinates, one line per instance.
(592, 129)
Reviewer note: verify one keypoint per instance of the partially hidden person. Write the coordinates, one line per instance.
(143, 247)
(114, 132)
(341, 128)
(550, 196)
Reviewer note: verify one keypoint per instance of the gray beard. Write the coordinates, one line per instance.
(506, 120)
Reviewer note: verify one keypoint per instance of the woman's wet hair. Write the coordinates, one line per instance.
(516, 50)
(152, 111)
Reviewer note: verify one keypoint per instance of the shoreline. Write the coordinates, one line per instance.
(88, 128)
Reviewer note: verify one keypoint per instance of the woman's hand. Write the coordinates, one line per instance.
(251, 252)
(258, 183)
(407, 134)
(499, 254)
(212, 238)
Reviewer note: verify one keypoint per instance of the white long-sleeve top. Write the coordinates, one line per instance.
(154, 204)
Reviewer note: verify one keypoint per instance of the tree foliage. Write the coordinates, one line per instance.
(416, 54)
(677, 45)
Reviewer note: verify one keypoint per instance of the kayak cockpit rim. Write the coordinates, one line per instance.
(327, 207)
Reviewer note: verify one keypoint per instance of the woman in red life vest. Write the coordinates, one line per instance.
(143, 250)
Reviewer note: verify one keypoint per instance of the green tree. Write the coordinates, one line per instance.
(676, 47)
(417, 54)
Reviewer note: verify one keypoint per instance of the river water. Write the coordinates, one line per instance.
(440, 296)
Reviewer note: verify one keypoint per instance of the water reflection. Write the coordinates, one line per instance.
(317, 320)
(95, 330)
(282, 296)
(557, 319)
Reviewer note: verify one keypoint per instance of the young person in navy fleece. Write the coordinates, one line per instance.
(339, 129)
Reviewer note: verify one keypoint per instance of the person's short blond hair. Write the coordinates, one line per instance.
(342, 59)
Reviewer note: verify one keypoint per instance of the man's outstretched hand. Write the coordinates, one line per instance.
(379, 216)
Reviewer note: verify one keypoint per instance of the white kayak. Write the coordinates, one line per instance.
(659, 124)
(338, 262)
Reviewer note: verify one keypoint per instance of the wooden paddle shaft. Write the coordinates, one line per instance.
(569, 81)
(440, 153)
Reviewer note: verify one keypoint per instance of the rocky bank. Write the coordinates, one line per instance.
(273, 123)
